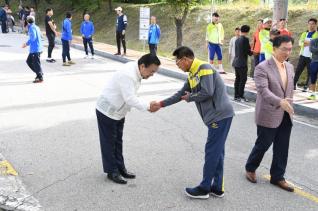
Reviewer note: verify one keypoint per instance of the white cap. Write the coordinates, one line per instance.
(30, 17)
(119, 9)
(267, 20)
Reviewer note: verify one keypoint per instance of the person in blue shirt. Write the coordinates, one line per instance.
(153, 36)
(121, 25)
(66, 39)
(3, 19)
(35, 43)
(87, 30)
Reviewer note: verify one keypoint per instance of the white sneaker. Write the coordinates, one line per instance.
(92, 56)
(86, 57)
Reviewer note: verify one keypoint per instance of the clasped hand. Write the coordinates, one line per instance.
(154, 106)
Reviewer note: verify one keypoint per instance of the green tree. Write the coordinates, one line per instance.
(181, 9)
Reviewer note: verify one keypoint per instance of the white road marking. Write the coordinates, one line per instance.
(253, 108)
(242, 104)
(245, 111)
(312, 154)
(306, 124)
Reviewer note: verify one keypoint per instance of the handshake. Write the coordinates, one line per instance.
(154, 106)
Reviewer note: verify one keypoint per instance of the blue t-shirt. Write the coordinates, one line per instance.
(310, 34)
(154, 34)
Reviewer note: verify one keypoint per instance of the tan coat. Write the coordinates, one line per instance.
(270, 92)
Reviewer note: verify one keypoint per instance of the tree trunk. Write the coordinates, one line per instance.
(35, 3)
(110, 6)
(179, 26)
(280, 10)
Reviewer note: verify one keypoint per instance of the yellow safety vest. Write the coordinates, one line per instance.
(268, 50)
(302, 40)
(198, 69)
(215, 33)
(263, 38)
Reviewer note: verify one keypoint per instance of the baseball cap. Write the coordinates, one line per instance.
(267, 20)
(30, 19)
(119, 9)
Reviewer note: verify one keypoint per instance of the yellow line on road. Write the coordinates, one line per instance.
(298, 191)
(7, 169)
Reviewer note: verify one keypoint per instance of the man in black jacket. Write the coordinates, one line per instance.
(242, 51)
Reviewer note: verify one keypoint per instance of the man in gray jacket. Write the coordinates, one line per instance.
(205, 87)
(313, 68)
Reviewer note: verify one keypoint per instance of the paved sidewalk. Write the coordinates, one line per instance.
(168, 67)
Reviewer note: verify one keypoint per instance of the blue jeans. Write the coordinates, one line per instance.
(66, 50)
(214, 155)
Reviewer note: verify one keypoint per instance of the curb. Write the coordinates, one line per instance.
(251, 95)
(13, 195)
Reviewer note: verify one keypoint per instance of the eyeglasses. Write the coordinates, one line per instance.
(178, 60)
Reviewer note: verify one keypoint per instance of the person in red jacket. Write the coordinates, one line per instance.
(282, 28)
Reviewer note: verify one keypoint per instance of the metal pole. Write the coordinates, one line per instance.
(144, 47)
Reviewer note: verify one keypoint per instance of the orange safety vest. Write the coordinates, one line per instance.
(256, 48)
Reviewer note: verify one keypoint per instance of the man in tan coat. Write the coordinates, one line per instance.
(273, 112)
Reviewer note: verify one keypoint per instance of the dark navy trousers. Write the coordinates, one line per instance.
(265, 137)
(66, 50)
(214, 155)
(34, 63)
(89, 42)
(111, 142)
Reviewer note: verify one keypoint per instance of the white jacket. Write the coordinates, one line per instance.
(120, 93)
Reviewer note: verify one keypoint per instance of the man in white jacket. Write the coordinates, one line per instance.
(117, 98)
(232, 46)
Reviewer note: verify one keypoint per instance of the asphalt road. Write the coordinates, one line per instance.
(49, 133)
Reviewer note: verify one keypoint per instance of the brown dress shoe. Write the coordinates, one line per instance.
(251, 176)
(283, 185)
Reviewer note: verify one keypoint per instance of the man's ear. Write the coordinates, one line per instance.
(142, 67)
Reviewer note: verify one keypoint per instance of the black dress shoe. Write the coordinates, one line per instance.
(127, 175)
(283, 185)
(116, 177)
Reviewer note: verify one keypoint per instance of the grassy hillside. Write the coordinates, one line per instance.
(232, 15)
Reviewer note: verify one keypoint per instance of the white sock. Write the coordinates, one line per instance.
(221, 68)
